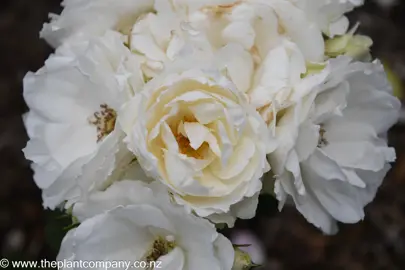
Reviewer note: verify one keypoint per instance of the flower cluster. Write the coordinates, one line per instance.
(156, 120)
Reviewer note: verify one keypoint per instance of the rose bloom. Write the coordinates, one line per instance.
(333, 153)
(193, 131)
(136, 222)
(75, 144)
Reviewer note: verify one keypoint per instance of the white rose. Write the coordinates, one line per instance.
(75, 144)
(332, 155)
(150, 229)
(197, 134)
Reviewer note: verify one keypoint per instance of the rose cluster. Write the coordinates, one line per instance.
(156, 121)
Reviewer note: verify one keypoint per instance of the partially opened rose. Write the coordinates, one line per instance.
(197, 134)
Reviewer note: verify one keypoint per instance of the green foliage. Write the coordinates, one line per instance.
(58, 224)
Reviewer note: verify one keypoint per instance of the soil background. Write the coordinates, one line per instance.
(27, 232)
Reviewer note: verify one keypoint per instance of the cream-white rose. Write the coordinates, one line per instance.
(132, 221)
(196, 133)
(75, 145)
(333, 153)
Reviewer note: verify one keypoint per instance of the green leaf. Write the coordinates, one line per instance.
(56, 221)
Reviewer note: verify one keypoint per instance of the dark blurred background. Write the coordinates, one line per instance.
(27, 232)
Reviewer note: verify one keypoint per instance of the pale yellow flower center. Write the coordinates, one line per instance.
(184, 142)
(161, 246)
(104, 120)
(186, 149)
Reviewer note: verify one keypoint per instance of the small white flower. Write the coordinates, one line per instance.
(191, 129)
(75, 144)
(150, 229)
(332, 155)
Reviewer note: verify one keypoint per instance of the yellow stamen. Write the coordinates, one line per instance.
(160, 247)
(104, 120)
